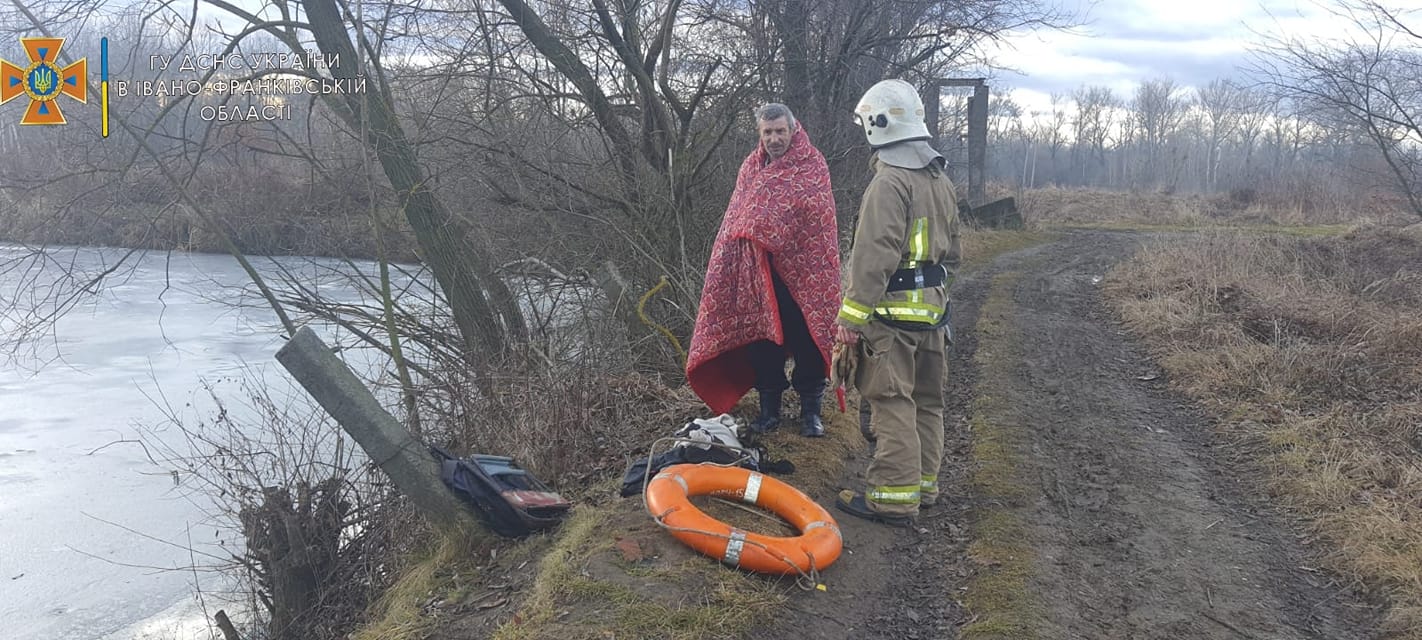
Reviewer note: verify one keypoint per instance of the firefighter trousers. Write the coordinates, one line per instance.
(902, 374)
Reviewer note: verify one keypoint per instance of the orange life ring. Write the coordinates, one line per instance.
(818, 545)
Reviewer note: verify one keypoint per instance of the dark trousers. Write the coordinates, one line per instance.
(768, 358)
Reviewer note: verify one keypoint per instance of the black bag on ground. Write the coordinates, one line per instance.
(636, 475)
(721, 431)
(508, 499)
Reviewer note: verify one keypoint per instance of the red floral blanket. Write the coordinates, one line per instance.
(784, 209)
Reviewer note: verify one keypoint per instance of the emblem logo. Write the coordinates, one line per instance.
(43, 81)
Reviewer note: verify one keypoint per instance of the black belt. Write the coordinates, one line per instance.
(932, 275)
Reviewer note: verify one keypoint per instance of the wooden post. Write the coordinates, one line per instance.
(977, 144)
(977, 129)
(408, 463)
(932, 95)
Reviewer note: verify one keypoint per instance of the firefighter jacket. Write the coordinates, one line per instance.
(907, 226)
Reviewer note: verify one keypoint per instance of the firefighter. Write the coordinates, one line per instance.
(904, 257)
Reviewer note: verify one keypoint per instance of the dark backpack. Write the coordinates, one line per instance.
(508, 499)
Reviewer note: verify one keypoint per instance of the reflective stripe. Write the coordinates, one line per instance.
(915, 295)
(903, 316)
(918, 306)
(928, 483)
(854, 313)
(752, 488)
(918, 243)
(905, 494)
(911, 311)
(734, 547)
(679, 480)
(818, 524)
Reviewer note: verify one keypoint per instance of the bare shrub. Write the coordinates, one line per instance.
(572, 427)
(320, 528)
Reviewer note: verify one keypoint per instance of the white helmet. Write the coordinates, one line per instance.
(890, 112)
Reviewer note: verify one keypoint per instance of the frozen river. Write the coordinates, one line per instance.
(93, 537)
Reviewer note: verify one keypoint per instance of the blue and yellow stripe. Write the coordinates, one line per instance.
(104, 86)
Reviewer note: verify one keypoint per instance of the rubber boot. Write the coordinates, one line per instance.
(769, 418)
(810, 402)
(855, 504)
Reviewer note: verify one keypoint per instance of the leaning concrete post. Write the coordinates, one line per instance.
(392, 448)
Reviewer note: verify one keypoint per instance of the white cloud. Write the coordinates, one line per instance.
(1126, 41)
(1034, 103)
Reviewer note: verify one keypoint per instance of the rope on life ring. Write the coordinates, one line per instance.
(667, 497)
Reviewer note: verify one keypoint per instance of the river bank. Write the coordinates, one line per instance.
(257, 229)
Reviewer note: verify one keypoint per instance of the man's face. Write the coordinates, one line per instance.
(775, 136)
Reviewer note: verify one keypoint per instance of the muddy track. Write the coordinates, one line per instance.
(1140, 526)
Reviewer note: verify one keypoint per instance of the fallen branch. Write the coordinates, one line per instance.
(229, 632)
(1229, 626)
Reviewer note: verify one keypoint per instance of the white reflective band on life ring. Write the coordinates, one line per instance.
(733, 548)
(679, 480)
(752, 489)
(820, 524)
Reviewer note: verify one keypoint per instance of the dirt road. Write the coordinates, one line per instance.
(1137, 524)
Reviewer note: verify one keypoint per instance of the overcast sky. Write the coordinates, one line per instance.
(1126, 41)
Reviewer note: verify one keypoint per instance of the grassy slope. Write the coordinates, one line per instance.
(589, 586)
(585, 586)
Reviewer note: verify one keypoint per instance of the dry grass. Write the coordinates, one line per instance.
(997, 596)
(1311, 351)
(585, 589)
(980, 246)
(1053, 206)
(574, 426)
(818, 461)
(398, 613)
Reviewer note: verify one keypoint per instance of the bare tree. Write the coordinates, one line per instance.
(1285, 136)
(834, 50)
(1095, 112)
(1370, 83)
(485, 310)
(1222, 104)
(1158, 111)
(1255, 111)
